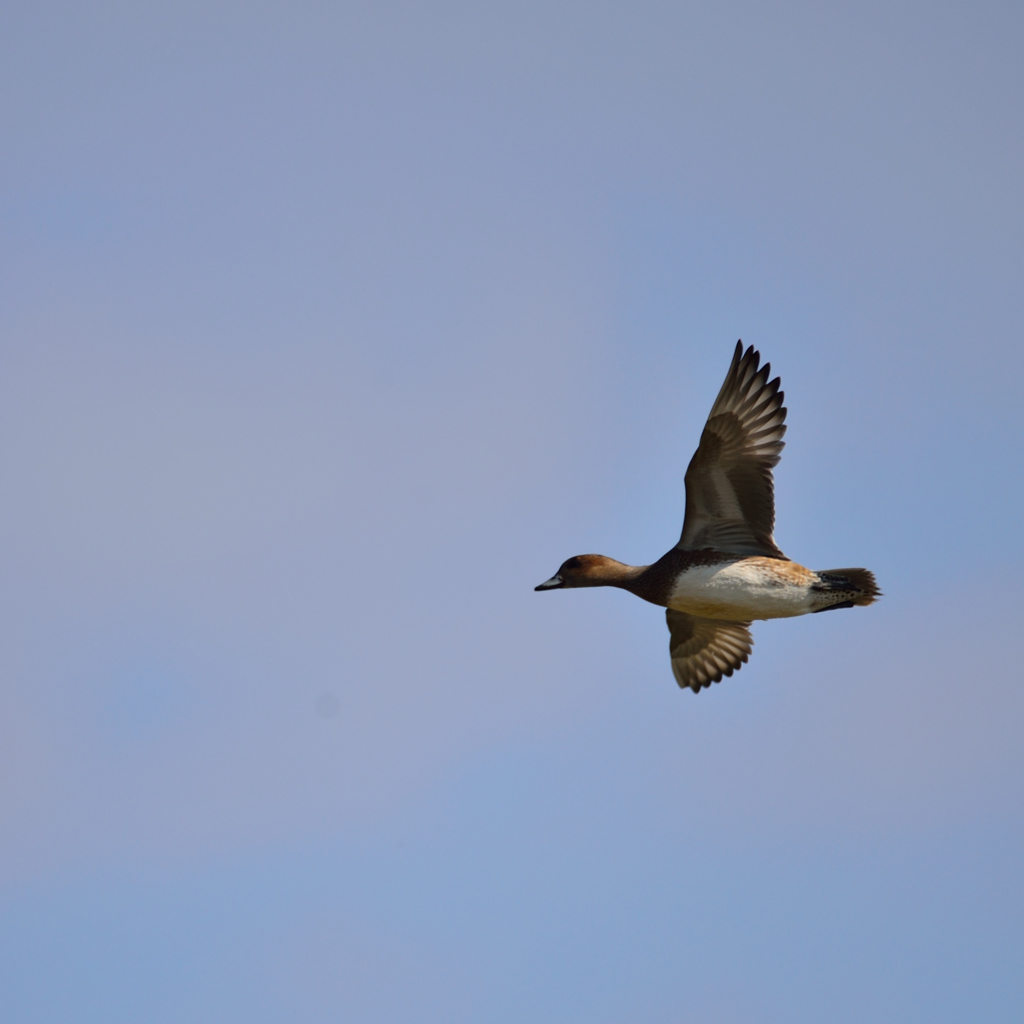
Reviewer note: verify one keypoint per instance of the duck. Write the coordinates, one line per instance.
(726, 570)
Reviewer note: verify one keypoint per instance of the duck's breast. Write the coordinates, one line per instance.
(744, 588)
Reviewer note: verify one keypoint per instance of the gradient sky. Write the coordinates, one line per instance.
(327, 331)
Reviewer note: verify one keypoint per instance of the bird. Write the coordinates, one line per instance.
(727, 570)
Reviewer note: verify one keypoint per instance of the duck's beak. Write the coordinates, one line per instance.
(554, 583)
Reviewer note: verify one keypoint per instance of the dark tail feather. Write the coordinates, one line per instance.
(858, 583)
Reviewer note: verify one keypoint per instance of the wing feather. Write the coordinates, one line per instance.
(730, 494)
(703, 651)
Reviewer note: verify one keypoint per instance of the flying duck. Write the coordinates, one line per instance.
(726, 569)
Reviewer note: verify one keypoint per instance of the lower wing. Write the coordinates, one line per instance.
(705, 650)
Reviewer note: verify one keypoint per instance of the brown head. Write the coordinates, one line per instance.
(590, 571)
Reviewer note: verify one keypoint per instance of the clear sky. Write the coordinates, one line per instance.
(327, 331)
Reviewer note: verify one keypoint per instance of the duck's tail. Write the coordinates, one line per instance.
(844, 588)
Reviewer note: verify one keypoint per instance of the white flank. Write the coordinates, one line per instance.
(749, 588)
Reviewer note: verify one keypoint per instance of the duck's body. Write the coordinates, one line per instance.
(745, 589)
(726, 569)
(714, 585)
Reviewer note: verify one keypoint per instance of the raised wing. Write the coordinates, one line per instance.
(730, 497)
(705, 650)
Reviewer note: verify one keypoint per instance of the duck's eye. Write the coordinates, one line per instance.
(574, 563)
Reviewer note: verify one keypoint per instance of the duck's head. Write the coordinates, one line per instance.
(585, 571)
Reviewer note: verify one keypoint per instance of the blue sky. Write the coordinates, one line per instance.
(329, 330)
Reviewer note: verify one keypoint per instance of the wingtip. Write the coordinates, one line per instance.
(747, 361)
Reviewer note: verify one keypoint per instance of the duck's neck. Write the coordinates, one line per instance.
(617, 574)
